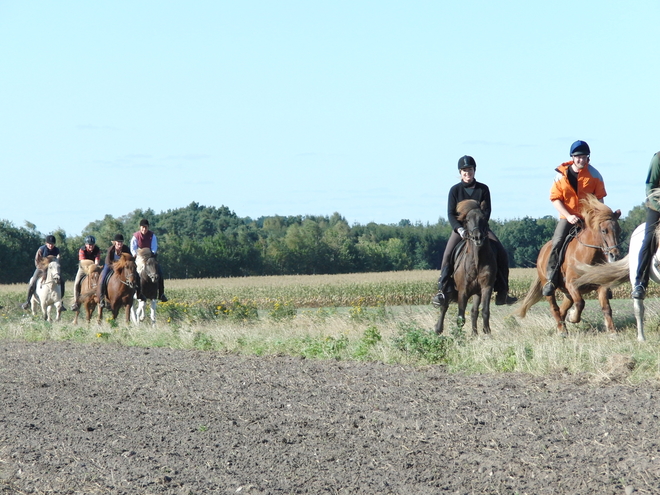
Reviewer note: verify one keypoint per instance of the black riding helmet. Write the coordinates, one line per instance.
(466, 162)
(90, 240)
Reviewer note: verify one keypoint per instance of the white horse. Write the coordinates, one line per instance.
(616, 273)
(48, 291)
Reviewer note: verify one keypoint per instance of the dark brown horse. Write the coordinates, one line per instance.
(474, 269)
(88, 298)
(121, 288)
(597, 242)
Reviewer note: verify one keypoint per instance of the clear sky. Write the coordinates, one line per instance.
(313, 107)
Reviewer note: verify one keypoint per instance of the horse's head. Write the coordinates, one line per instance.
(125, 267)
(604, 222)
(151, 269)
(53, 270)
(473, 218)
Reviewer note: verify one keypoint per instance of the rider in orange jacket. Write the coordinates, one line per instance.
(575, 179)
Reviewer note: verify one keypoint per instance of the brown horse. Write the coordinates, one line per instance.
(596, 243)
(474, 269)
(121, 288)
(88, 298)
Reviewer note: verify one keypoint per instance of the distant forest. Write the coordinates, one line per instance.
(199, 242)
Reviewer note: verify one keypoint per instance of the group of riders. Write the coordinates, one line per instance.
(90, 252)
(574, 180)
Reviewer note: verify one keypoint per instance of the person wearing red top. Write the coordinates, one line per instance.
(575, 179)
(145, 238)
(89, 252)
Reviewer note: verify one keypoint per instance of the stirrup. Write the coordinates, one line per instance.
(438, 299)
(639, 292)
(548, 289)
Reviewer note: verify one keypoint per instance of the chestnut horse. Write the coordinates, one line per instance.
(121, 288)
(474, 269)
(88, 298)
(597, 242)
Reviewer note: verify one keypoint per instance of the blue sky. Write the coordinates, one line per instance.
(356, 107)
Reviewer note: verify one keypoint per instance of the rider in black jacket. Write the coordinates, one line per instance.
(469, 188)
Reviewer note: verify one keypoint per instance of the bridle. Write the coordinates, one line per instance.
(577, 229)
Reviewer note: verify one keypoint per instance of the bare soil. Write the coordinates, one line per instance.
(104, 419)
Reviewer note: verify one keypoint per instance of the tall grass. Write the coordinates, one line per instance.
(372, 317)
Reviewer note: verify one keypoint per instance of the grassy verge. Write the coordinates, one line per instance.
(363, 317)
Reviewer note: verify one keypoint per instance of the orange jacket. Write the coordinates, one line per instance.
(589, 182)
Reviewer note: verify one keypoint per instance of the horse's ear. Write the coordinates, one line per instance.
(483, 206)
(617, 214)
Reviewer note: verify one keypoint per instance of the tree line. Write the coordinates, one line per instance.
(199, 242)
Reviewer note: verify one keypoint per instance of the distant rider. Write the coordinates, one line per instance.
(145, 238)
(89, 252)
(48, 249)
(114, 253)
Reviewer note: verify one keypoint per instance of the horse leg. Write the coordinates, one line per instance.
(462, 305)
(439, 326)
(556, 313)
(607, 309)
(638, 306)
(139, 312)
(474, 313)
(58, 308)
(129, 307)
(153, 311)
(485, 308)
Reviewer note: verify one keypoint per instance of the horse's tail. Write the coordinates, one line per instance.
(533, 296)
(608, 274)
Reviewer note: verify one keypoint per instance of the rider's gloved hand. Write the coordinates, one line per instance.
(461, 232)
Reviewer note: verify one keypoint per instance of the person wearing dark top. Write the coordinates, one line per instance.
(469, 188)
(89, 252)
(574, 180)
(48, 249)
(114, 253)
(650, 243)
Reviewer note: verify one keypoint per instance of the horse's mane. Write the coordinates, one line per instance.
(144, 253)
(595, 212)
(464, 207)
(123, 262)
(93, 268)
(44, 262)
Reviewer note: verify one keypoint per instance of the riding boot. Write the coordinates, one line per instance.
(550, 274)
(76, 295)
(101, 295)
(445, 285)
(31, 289)
(161, 287)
